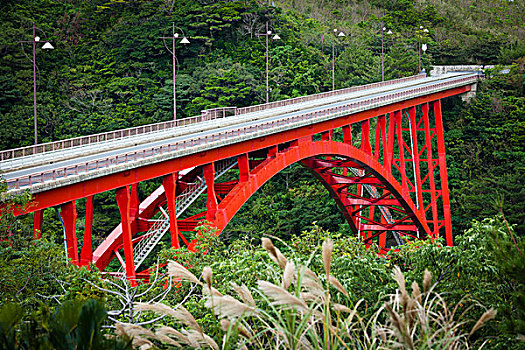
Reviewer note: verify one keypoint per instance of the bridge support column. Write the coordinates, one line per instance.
(272, 152)
(327, 135)
(124, 205)
(380, 137)
(347, 134)
(443, 172)
(170, 186)
(211, 197)
(86, 255)
(365, 137)
(398, 115)
(389, 156)
(37, 224)
(431, 167)
(69, 216)
(244, 167)
(415, 159)
(134, 206)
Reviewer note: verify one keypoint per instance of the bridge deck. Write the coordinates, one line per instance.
(41, 172)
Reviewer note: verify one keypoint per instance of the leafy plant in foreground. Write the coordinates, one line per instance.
(299, 309)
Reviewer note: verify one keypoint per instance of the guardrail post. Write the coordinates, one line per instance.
(69, 216)
(37, 224)
(170, 186)
(86, 255)
(124, 200)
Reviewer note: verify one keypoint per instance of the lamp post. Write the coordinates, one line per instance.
(47, 46)
(267, 34)
(341, 34)
(425, 30)
(174, 36)
(383, 51)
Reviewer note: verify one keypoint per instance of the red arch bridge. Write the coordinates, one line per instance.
(378, 149)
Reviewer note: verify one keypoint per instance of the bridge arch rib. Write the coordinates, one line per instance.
(338, 156)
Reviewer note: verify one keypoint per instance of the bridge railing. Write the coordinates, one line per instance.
(102, 163)
(206, 115)
(290, 101)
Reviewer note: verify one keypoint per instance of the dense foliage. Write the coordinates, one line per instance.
(110, 70)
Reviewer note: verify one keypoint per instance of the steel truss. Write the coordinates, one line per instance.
(385, 168)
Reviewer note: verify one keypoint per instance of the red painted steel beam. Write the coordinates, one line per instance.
(86, 255)
(244, 167)
(69, 217)
(431, 167)
(367, 227)
(93, 186)
(211, 196)
(37, 224)
(124, 204)
(103, 253)
(243, 191)
(169, 182)
(443, 172)
(415, 152)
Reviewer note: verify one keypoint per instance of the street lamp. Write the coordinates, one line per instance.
(174, 36)
(383, 29)
(47, 46)
(267, 34)
(425, 30)
(341, 35)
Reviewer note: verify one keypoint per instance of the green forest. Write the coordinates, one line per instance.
(313, 285)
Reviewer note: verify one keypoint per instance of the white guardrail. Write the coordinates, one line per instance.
(206, 115)
(353, 107)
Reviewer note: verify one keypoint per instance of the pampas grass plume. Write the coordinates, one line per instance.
(487, 316)
(207, 275)
(289, 274)
(335, 282)
(178, 271)
(427, 279)
(328, 246)
(244, 293)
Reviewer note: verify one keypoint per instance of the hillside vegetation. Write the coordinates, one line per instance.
(110, 70)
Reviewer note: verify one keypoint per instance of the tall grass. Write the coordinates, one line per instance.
(303, 310)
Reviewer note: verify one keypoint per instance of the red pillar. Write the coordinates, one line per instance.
(170, 186)
(401, 145)
(380, 137)
(347, 134)
(124, 205)
(244, 167)
(69, 216)
(86, 255)
(382, 236)
(272, 152)
(389, 155)
(327, 135)
(415, 159)
(211, 197)
(37, 224)
(365, 137)
(430, 161)
(443, 172)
